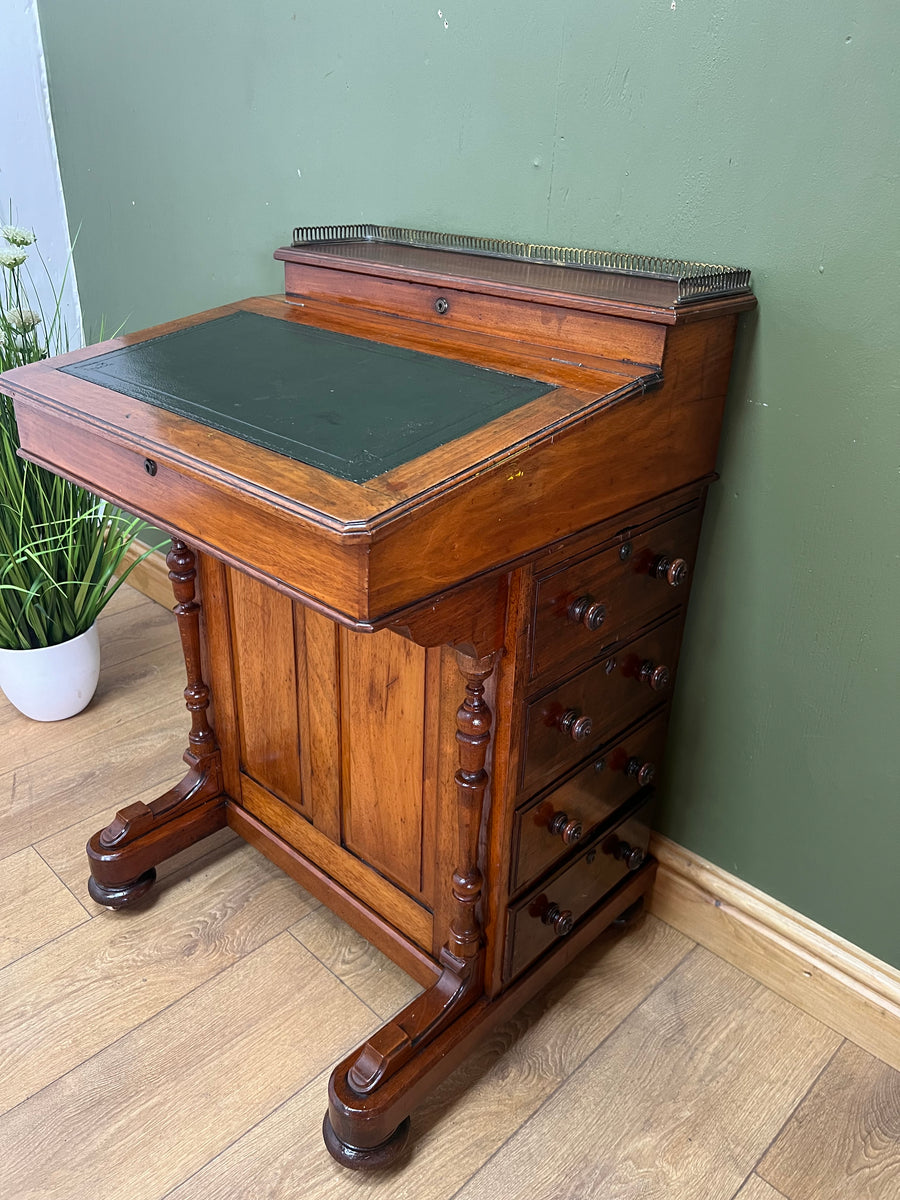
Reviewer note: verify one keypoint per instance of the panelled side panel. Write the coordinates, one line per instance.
(383, 732)
(262, 627)
(336, 752)
(218, 666)
(318, 677)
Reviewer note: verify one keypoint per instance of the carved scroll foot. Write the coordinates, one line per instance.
(122, 895)
(123, 856)
(359, 1158)
(367, 1090)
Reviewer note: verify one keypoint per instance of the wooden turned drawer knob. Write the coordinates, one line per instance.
(673, 570)
(584, 611)
(578, 728)
(569, 831)
(559, 920)
(656, 677)
(632, 856)
(643, 772)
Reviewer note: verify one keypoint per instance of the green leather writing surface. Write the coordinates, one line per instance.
(351, 407)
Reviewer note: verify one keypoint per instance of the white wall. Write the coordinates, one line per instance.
(29, 172)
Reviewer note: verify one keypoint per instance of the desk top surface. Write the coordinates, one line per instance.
(349, 406)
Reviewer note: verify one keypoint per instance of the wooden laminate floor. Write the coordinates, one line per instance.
(181, 1049)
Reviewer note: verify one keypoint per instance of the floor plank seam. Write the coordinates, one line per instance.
(12, 962)
(692, 949)
(88, 912)
(755, 1169)
(777, 1192)
(43, 945)
(122, 803)
(63, 743)
(317, 1081)
(333, 974)
(133, 1028)
(164, 883)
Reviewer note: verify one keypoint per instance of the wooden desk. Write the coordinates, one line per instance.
(434, 513)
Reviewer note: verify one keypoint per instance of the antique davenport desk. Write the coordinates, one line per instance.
(433, 512)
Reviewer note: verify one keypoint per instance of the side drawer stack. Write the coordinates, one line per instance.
(606, 634)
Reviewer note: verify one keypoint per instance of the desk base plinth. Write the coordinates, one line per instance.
(365, 1132)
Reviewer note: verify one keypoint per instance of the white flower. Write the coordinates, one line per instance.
(23, 319)
(15, 235)
(12, 258)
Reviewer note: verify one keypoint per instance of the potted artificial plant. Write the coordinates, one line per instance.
(61, 548)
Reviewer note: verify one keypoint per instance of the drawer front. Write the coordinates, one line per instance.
(576, 718)
(543, 916)
(550, 826)
(460, 308)
(208, 510)
(588, 605)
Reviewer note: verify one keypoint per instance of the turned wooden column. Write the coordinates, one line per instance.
(124, 855)
(366, 1124)
(473, 736)
(183, 573)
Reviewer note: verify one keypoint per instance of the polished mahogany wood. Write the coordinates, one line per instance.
(594, 602)
(576, 717)
(422, 1020)
(361, 1122)
(571, 812)
(436, 698)
(124, 855)
(552, 909)
(533, 281)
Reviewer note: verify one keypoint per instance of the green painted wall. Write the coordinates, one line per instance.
(194, 136)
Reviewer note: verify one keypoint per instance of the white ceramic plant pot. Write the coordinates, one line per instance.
(52, 682)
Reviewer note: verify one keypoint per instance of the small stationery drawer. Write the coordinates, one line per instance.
(552, 912)
(553, 824)
(589, 604)
(453, 303)
(576, 718)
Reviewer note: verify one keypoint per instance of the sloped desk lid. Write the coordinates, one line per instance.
(361, 502)
(351, 407)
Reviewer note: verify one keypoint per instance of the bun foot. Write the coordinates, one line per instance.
(120, 895)
(630, 914)
(366, 1158)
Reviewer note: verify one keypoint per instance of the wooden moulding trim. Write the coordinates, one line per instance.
(105, 414)
(516, 348)
(336, 863)
(455, 274)
(845, 988)
(338, 898)
(471, 281)
(298, 489)
(267, 576)
(371, 1118)
(150, 577)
